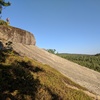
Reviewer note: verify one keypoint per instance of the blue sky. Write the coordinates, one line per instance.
(69, 26)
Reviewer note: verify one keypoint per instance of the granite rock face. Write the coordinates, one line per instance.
(16, 35)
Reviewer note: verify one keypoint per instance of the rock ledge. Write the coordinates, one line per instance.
(16, 35)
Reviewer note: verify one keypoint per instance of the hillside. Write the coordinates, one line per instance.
(22, 78)
(80, 75)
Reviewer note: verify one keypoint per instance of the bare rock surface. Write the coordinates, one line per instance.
(79, 74)
(8, 33)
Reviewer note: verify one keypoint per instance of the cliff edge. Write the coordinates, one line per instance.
(16, 35)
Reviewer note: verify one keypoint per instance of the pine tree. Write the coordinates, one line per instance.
(3, 4)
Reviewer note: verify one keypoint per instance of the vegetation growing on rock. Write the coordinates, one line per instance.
(2, 22)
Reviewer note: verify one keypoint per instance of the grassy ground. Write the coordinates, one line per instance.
(90, 61)
(24, 79)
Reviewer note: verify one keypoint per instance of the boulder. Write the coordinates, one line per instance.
(16, 35)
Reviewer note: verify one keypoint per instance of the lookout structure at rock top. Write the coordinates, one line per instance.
(16, 35)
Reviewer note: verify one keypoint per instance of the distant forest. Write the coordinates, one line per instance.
(90, 61)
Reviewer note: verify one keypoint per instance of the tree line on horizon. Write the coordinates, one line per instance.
(89, 61)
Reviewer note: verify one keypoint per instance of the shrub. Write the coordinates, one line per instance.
(2, 22)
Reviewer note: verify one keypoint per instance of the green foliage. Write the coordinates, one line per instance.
(3, 4)
(24, 79)
(53, 51)
(2, 22)
(90, 61)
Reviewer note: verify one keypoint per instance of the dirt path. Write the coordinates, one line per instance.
(81, 75)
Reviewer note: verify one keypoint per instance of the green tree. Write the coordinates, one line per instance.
(3, 4)
(51, 51)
